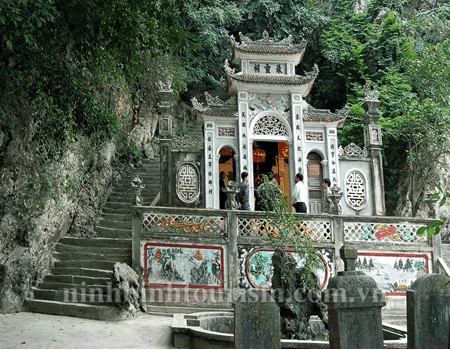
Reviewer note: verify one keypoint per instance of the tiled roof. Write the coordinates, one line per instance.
(274, 79)
(271, 49)
(268, 45)
(230, 112)
(321, 115)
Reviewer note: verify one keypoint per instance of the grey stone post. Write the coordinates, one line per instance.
(428, 313)
(256, 321)
(233, 259)
(373, 142)
(338, 233)
(165, 133)
(354, 307)
(136, 241)
(165, 161)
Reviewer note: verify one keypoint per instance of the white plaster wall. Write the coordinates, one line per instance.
(364, 167)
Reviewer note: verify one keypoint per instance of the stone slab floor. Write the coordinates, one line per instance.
(27, 330)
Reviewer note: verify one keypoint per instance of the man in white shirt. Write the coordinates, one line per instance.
(299, 194)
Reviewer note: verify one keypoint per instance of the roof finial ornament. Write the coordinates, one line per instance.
(227, 68)
(198, 105)
(265, 35)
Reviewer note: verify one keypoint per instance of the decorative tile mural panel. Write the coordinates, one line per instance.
(182, 265)
(184, 224)
(398, 233)
(393, 272)
(257, 270)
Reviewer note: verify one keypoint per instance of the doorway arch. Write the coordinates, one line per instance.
(315, 176)
(227, 164)
(270, 140)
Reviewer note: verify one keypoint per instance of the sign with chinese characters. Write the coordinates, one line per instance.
(267, 68)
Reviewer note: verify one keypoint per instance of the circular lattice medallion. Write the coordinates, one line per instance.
(188, 183)
(355, 189)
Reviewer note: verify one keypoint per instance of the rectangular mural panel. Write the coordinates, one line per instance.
(183, 265)
(393, 272)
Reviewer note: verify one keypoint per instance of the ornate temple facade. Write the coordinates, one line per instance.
(266, 125)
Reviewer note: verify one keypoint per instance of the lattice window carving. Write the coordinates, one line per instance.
(383, 232)
(319, 231)
(270, 125)
(355, 190)
(353, 151)
(188, 184)
(184, 224)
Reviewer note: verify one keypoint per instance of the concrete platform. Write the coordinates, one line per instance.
(27, 330)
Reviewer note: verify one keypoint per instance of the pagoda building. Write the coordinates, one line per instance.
(266, 125)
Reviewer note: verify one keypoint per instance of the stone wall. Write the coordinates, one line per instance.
(36, 212)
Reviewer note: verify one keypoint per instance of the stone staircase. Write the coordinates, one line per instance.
(80, 283)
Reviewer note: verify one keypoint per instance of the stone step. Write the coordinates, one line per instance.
(88, 264)
(63, 248)
(96, 312)
(70, 296)
(128, 192)
(80, 280)
(128, 197)
(81, 271)
(171, 310)
(97, 242)
(124, 210)
(116, 217)
(115, 224)
(124, 258)
(105, 232)
(116, 205)
(85, 288)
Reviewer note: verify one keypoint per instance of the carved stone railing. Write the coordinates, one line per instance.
(223, 249)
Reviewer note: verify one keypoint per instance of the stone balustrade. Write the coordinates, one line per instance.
(225, 249)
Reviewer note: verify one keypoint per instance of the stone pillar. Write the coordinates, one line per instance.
(233, 255)
(256, 321)
(428, 313)
(354, 307)
(165, 132)
(373, 142)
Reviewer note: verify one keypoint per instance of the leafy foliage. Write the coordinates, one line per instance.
(68, 67)
(287, 231)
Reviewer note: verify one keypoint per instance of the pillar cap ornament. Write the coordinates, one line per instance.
(371, 103)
